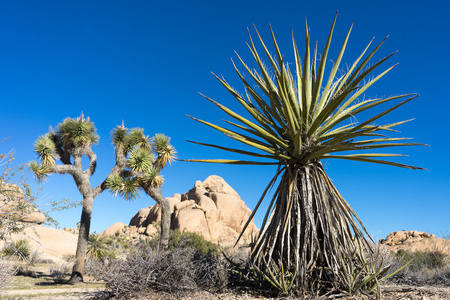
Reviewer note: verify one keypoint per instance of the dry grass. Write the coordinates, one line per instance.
(425, 267)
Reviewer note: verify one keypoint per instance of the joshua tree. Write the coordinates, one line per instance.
(310, 239)
(69, 142)
(144, 164)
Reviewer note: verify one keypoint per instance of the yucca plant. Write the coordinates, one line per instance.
(71, 140)
(97, 247)
(299, 118)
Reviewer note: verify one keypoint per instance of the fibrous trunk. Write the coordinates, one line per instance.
(83, 238)
(156, 194)
(310, 231)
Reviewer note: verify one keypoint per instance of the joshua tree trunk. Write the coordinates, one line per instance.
(83, 237)
(311, 230)
(156, 194)
(82, 181)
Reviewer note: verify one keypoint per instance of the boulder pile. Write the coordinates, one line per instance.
(413, 240)
(211, 208)
(400, 237)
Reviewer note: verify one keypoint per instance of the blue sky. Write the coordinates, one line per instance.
(145, 62)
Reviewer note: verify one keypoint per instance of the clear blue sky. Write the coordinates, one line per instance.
(144, 62)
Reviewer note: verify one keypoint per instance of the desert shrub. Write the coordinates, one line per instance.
(94, 268)
(124, 244)
(178, 239)
(109, 255)
(109, 241)
(174, 271)
(59, 272)
(425, 267)
(19, 248)
(35, 257)
(7, 271)
(70, 258)
(423, 260)
(117, 241)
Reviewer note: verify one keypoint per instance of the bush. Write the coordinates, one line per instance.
(174, 271)
(94, 268)
(35, 257)
(70, 258)
(425, 267)
(423, 260)
(179, 240)
(19, 248)
(7, 271)
(59, 272)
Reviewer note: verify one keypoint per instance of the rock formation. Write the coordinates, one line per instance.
(51, 243)
(114, 228)
(415, 241)
(211, 208)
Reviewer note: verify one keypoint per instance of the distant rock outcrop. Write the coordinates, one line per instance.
(211, 208)
(51, 243)
(13, 205)
(114, 228)
(413, 240)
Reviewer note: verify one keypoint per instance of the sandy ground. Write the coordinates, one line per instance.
(67, 294)
(397, 292)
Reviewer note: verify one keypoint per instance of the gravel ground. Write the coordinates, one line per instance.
(390, 292)
(397, 292)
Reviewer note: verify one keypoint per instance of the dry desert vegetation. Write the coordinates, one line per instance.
(123, 261)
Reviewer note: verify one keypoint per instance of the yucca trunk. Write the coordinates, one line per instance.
(310, 231)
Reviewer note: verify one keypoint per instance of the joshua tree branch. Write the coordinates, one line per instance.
(93, 162)
(77, 162)
(121, 164)
(63, 169)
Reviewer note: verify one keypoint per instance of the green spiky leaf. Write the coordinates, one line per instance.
(166, 152)
(140, 160)
(79, 132)
(45, 148)
(153, 177)
(40, 171)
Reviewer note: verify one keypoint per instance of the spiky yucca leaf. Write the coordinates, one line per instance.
(140, 160)
(137, 138)
(153, 177)
(295, 119)
(77, 132)
(97, 247)
(127, 188)
(160, 142)
(119, 136)
(40, 171)
(166, 152)
(45, 148)
(114, 183)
